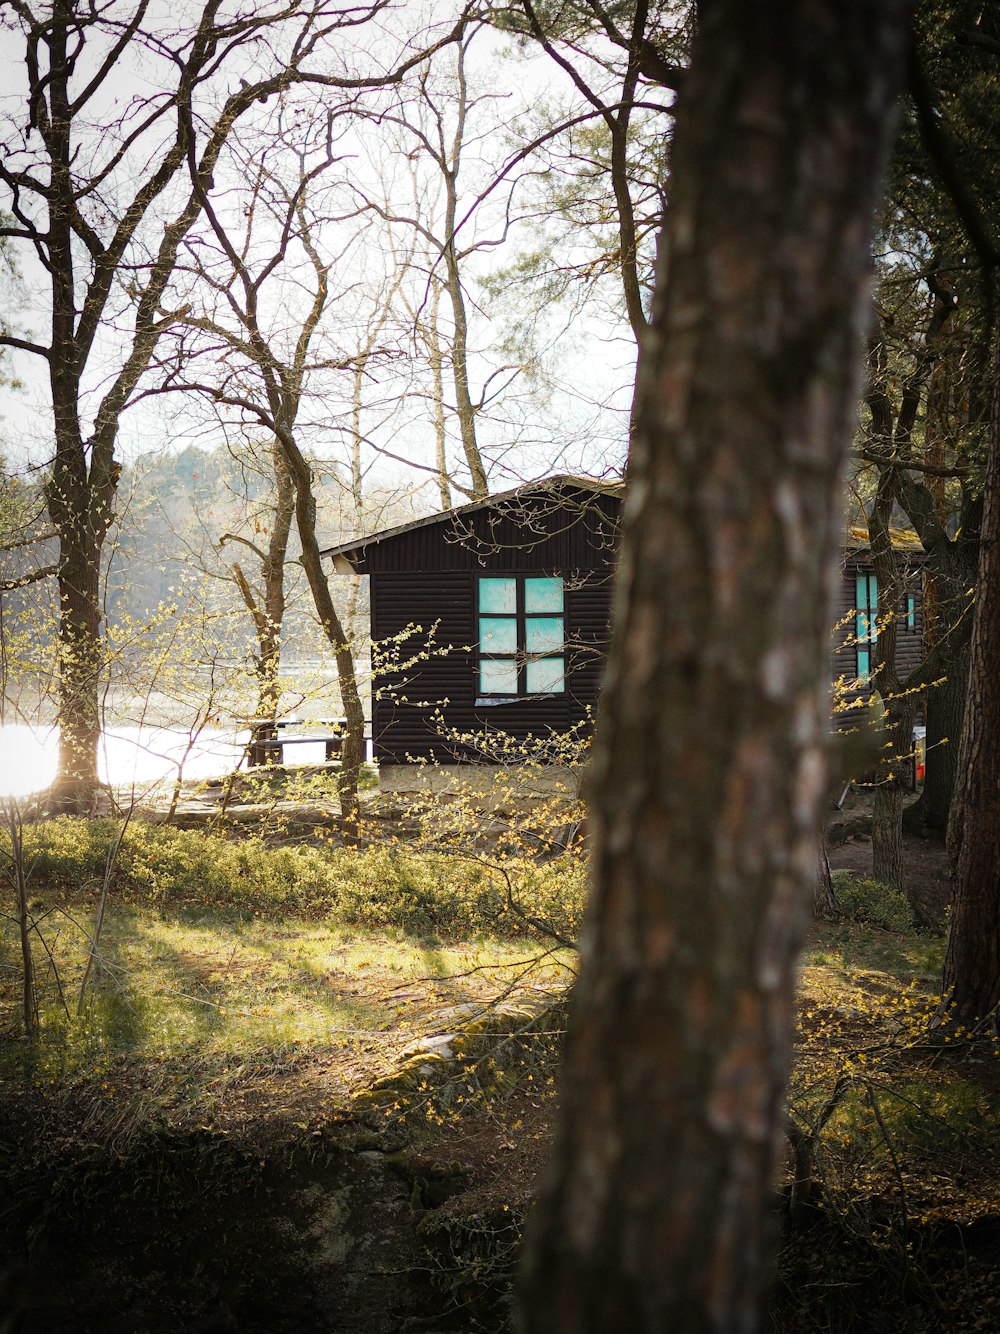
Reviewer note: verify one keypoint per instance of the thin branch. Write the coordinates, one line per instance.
(22, 581)
(882, 460)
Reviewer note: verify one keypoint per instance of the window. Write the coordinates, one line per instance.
(521, 622)
(866, 609)
(911, 613)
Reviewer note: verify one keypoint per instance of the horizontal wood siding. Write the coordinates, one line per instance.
(430, 615)
(409, 704)
(909, 643)
(559, 533)
(589, 635)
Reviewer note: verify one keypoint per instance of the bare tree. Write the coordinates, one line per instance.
(441, 126)
(710, 766)
(248, 352)
(101, 196)
(612, 55)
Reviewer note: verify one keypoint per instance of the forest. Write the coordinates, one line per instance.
(682, 1016)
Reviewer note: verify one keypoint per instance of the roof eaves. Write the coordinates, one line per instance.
(340, 554)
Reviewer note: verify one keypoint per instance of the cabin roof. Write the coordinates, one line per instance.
(345, 554)
(903, 539)
(561, 482)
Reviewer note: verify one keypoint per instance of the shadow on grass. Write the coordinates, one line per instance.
(219, 987)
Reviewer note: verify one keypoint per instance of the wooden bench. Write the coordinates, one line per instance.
(267, 746)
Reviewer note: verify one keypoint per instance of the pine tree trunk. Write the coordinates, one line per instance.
(971, 986)
(892, 782)
(945, 712)
(824, 899)
(709, 769)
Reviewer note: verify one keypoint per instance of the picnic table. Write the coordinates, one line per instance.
(270, 736)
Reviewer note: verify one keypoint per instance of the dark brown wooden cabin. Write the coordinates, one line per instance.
(857, 604)
(495, 613)
(494, 617)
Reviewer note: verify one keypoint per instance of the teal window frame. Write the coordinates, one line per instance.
(866, 613)
(911, 612)
(517, 610)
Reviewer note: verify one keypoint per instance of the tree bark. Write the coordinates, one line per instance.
(353, 751)
(268, 611)
(971, 984)
(824, 899)
(945, 712)
(891, 785)
(465, 409)
(898, 703)
(709, 769)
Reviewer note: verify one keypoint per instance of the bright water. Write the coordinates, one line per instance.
(140, 758)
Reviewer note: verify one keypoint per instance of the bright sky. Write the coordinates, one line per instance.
(578, 424)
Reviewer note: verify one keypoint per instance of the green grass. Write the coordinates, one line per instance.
(213, 988)
(382, 884)
(225, 960)
(854, 948)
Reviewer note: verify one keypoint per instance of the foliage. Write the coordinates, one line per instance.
(892, 1126)
(449, 894)
(865, 900)
(379, 885)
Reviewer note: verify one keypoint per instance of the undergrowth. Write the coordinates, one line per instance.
(392, 885)
(865, 900)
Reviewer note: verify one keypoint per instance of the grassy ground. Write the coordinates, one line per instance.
(219, 1016)
(259, 1019)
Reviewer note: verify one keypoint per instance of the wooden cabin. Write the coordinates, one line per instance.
(855, 621)
(490, 623)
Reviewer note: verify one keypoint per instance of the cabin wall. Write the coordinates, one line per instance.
(423, 609)
(424, 688)
(844, 668)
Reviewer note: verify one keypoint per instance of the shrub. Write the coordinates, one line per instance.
(872, 903)
(381, 885)
(439, 893)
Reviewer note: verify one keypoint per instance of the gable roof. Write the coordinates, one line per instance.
(342, 554)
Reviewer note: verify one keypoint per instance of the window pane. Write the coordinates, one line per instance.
(543, 595)
(546, 676)
(498, 634)
(866, 603)
(498, 596)
(544, 634)
(497, 676)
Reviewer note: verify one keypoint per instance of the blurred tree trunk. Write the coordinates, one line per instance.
(710, 771)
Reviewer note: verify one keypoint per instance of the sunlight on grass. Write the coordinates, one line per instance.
(220, 989)
(861, 949)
